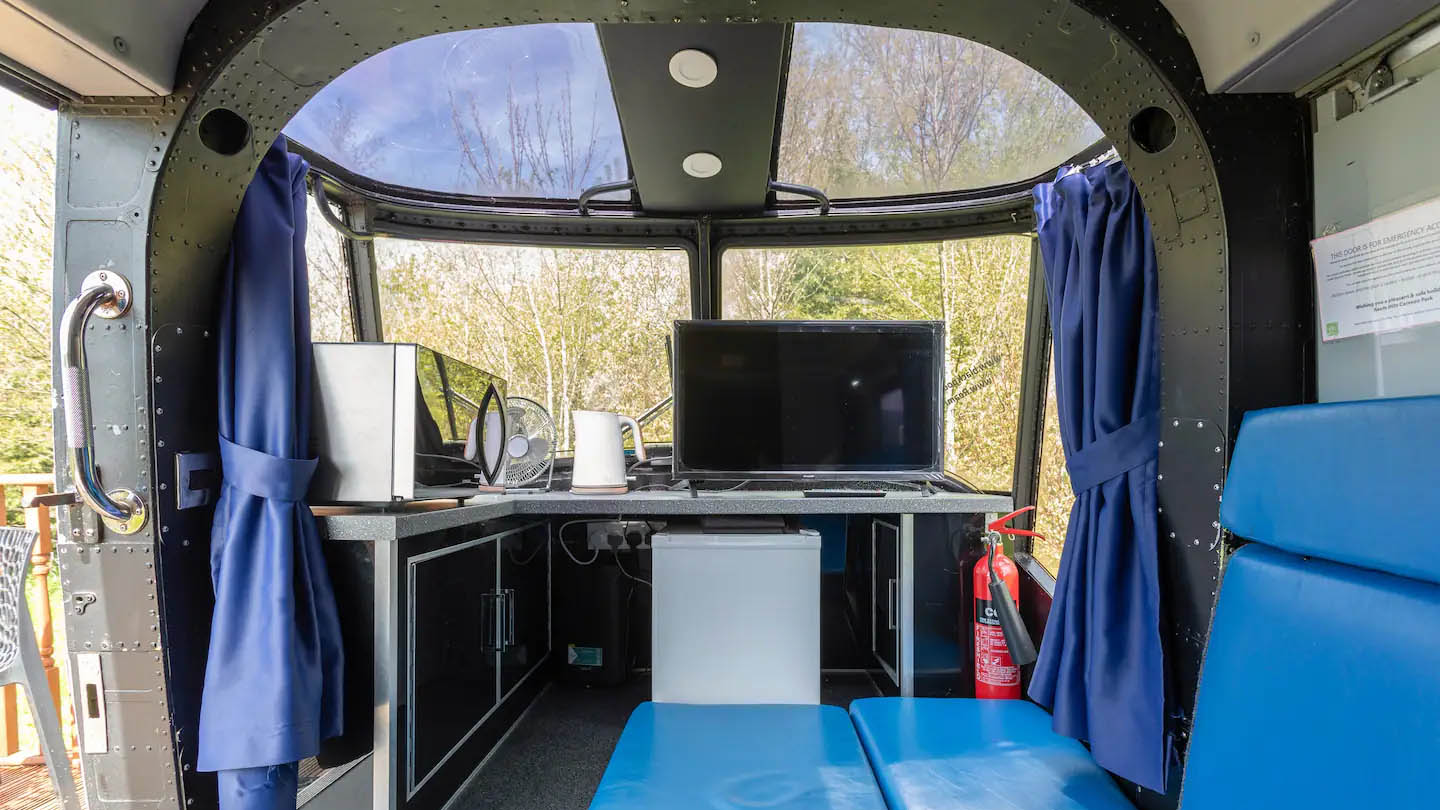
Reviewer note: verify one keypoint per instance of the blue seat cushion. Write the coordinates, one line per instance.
(677, 756)
(962, 754)
(1303, 478)
(1321, 687)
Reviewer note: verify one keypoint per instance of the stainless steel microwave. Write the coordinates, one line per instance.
(400, 422)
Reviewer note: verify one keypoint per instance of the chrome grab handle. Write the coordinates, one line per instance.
(107, 294)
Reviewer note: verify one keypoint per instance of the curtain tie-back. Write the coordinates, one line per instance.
(1117, 452)
(266, 476)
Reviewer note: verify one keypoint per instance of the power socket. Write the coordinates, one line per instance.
(631, 534)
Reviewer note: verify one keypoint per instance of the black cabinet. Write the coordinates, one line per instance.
(453, 673)
(476, 612)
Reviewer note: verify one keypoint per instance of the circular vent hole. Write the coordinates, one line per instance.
(224, 131)
(1153, 129)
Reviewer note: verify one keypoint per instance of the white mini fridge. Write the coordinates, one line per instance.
(736, 617)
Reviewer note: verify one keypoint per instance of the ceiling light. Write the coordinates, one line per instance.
(693, 68)
(701, 164)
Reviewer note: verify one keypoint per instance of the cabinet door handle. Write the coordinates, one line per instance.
(890, 604)
(487, 621)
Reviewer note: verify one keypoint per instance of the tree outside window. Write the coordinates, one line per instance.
(573, 329)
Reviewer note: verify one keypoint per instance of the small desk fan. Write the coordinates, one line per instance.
(530, 445)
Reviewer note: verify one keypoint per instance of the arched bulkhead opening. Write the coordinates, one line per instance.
(1227, 207)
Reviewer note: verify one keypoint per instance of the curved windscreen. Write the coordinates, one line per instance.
(879, 112)
(520, 111)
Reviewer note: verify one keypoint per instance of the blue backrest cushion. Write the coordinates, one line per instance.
(1353, 482)
(1320, 689)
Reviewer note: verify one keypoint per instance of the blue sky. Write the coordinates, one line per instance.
(400, 100)
(400, 109)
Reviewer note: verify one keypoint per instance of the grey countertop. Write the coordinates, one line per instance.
(381, 525)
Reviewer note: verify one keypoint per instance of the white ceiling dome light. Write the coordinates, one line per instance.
(701, 164)
(693, 68)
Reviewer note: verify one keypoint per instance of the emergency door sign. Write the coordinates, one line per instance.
(1380, 276)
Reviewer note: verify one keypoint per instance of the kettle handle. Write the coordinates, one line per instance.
(634, 426)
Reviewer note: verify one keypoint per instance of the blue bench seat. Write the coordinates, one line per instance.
(1318, 689)
(675, 756)
(963, 754)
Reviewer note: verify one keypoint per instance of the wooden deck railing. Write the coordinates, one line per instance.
(37, 518)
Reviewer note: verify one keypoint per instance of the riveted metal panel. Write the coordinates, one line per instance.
(182, 383)
(137, 773)
(103, 172)
(112, 572)
(107, 158)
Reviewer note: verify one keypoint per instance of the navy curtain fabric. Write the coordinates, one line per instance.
(1101, 669)
(272, 680)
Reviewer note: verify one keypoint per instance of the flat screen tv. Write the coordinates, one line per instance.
(837, 400)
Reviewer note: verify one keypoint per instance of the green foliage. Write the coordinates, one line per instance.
(572, 329)
(1054, 496)
(977, 287)
(27, 189)
(879, 111)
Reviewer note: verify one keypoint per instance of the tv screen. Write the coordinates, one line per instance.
(831, 399)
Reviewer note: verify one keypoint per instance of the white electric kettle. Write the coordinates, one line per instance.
(600, 453)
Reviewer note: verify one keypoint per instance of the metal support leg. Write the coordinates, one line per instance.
(907, 606)
(47, 721)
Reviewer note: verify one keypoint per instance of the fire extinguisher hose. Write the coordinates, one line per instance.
(1017, 638)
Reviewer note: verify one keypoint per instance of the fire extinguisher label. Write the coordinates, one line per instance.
(986, 614)
(996, 676)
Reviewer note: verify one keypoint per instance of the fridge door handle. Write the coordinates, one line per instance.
(890, 604)
(510, 617)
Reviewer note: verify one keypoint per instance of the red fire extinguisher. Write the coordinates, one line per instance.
(997, 616)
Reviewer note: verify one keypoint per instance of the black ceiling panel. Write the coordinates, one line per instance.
(663, 121)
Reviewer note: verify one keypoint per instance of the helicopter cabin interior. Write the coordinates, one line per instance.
(669, 381)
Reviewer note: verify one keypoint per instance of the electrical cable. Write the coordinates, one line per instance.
(684, 483)
(510, 552)
(444, 457)
(714, 491)
(962, 480)
(560, 535)
(621, 566)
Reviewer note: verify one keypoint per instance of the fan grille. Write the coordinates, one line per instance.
(529, 418)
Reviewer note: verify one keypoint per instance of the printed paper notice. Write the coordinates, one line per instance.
(1380, 276)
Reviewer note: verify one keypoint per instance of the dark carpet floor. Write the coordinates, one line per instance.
(557, 753)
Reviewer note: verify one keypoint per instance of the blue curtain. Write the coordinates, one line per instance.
(1101, 669)
(272, 679)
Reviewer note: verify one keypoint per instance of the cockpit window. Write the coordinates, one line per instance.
(879, 112)
(522, 111)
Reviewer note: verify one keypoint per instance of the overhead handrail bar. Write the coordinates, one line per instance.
(322, 201)
(603, 188)
(107, 294)
(804, 191)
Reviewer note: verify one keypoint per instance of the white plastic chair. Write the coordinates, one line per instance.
(20, 659)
